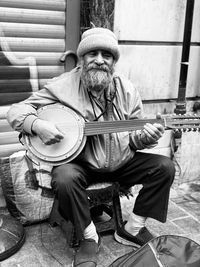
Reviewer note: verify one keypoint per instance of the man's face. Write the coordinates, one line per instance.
(98, 67)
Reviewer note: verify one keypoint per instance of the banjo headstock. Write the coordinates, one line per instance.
(182, 122)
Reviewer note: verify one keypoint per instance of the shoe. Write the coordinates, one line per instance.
(125, 238)
(86, 255)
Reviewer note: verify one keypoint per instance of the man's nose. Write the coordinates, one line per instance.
(99, 59)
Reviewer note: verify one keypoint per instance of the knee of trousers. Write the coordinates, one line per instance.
(66, 177)
(167, 167)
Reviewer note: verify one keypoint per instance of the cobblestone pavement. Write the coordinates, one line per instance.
(47, 247)
(183, 213)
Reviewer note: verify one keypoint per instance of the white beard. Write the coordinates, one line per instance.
(96, 78)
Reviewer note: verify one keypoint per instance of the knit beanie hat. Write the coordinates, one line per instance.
(98, 38)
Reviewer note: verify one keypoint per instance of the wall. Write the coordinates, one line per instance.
(150, 34)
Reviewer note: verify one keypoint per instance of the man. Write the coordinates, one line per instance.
(99, 94)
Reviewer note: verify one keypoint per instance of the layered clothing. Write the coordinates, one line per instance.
(105, 152)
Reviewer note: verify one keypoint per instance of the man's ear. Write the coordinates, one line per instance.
(81, 61)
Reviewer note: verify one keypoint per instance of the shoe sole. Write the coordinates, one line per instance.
(125, 241)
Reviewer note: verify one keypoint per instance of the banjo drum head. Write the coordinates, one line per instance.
(71, 124)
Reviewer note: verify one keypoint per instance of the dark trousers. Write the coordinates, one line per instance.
(154, 172)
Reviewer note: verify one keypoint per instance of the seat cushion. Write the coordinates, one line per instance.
(97, 186)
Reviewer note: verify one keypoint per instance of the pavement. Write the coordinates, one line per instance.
(47, 247)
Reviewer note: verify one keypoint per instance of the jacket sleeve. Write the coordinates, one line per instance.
(21, 115)
(138, 143)
(137, 140)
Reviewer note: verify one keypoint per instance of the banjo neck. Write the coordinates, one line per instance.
(177, 122)
(106, 127)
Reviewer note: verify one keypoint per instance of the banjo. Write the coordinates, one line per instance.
(76, 130)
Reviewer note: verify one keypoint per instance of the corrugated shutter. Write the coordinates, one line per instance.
(33, 30)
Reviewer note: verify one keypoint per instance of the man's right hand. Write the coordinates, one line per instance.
(47, 131)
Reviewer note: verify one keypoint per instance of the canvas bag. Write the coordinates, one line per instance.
(26, 188)
(163, 251)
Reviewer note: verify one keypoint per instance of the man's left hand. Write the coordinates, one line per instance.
(151, 133)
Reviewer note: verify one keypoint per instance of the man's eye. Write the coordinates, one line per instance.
(92, 53)
(107, 55)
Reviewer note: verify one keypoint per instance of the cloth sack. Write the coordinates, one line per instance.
(26, 188)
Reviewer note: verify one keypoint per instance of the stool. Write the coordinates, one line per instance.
(104, 201)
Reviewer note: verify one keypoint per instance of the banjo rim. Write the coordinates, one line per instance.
(65, 157)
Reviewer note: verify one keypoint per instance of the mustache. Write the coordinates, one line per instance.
(97, 67)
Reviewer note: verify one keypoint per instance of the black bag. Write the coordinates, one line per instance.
(163, 251)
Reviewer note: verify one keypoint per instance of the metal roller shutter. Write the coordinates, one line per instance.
(29, 29)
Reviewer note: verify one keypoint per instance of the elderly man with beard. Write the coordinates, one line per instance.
(96, 92)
